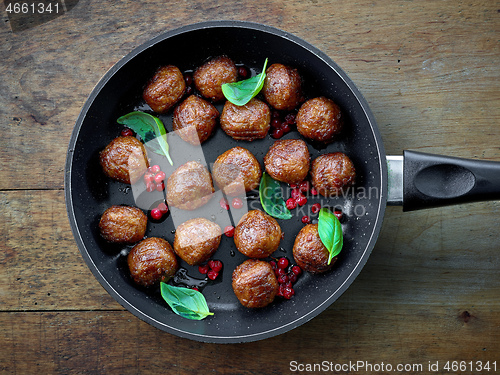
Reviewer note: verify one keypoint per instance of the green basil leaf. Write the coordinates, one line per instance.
(241, 92)
(150, 129)
(272, 199)
(188, 303)
(330, 232)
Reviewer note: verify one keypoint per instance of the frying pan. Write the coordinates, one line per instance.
(415, 180)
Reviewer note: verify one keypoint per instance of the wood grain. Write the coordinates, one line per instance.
(429, 291)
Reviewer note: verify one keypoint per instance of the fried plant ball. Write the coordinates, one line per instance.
(124, 159)
(123, 224)
(196, 240)
(247, 122)
(309, 252)
(152, 260)
(330, 173)
(319, 119)
(165, 89)
(254, 283)
(257, 235)
(282, 87)
(195, 120)
(236, 171)
(209, 77)
(189, 186)
(288, 161)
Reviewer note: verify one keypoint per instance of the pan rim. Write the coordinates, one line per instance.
(377, 225)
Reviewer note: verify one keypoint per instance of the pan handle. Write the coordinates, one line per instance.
(419, 180)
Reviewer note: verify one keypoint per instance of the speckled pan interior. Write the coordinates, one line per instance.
(89, 192)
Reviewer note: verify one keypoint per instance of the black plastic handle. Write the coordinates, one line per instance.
(434, 180)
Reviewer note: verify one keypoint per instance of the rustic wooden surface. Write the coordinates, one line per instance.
(429, 292)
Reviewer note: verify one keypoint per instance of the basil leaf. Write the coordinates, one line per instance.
(330, 232)
(241, 92)
(188, 303)
(271, 198)
(150, 129)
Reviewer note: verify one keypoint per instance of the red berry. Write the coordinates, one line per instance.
(150, 186)
(154, 168)
(283, 279)
(281, 289)
(290, 118)
(203, 269)
(279, 271)
(160, 177)
(156, 214)
(237, 203)
(224, 204)
(282, 263)
(277, 133)
(229, 231)
(291, 203)
(188, 77)
(293, 186)
(160, 186)
(243, 72)
(292, 277)
(195, 288)
(189, 90)
(286, 128)
(212, 275)
(295, 193)
(276, 123)
(306, 220)
(215, 265)
(301, 200)
(315, 208)
(162, 207)
(148, 178)
(304, 186)
(338, 214)
(273, 264)
(314, 191)
(297, 270)
(288, 292)
(127, 132)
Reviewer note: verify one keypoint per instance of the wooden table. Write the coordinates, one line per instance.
(429, 292)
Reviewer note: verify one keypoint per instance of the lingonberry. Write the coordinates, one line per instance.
(288, 292)
(215, 265)
(224, 204)
(273, 264)
(282, 263)
(306, 219)
(290, 118)
(148, 178)
(243, 72)
(163, 207)
(229, 231)
(154, 168)
(160, 186)
(156, 214)
(127, 132)
(291, 203)
(237, 203)
(160, 177)
(338, 214)
(283, 279)
(297, 270)
(188, 77)
(314, 191)
(277, 133)
(286, 128)
(150, 186)
(203, 268)
(212, 275)
(275, 123)
(301, 200)
(315, 208)
(292, 277)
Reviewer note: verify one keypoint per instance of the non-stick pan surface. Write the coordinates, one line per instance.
(89, 192)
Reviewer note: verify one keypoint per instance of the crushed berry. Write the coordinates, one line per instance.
(163, 207)
(315, 208)
(301, 200)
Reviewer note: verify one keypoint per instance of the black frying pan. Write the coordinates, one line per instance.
(89, 192)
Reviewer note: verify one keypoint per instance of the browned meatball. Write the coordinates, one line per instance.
(282, 87)
(319, 119)
(330, 173)
(254, 283)
(288, 161)
(152, 260)
(124, 159)
(257, 235)
(196, 240)
(195, 120)
(189, 186)
(123, 224)
(209, 77)
(236, 171)
(309, 252)
(247, 122)
(165, 89)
